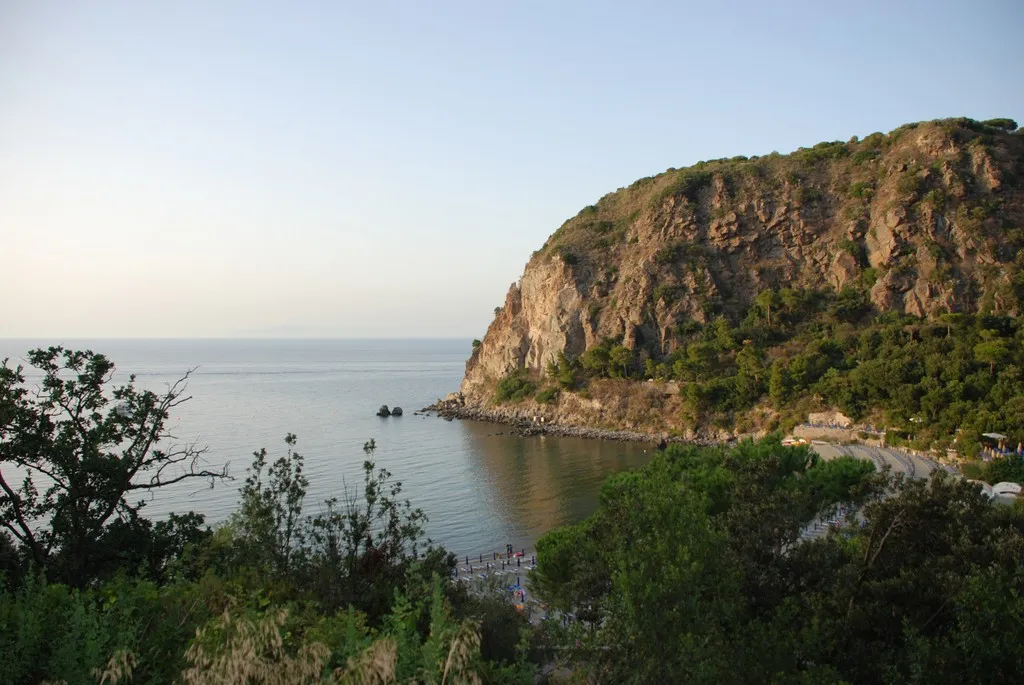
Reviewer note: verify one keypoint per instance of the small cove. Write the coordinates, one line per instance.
(480, 485)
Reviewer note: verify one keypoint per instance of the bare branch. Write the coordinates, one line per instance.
(174, 456)
(148, 436)
(21, 461)
(167, 402)
(159, 483)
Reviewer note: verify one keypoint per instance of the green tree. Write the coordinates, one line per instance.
(358, 550)
(952, 319)
(595, 360)
(84, 448)
(701, 358)
(767, 300)
(723, 334)
(563, 370)
(993, 351)
(515, 387)
(1004, 124)
(750, 373)
(269, 517)
(849, 305)
(922, 585)
(620, 360)
(572, 575)
(780, 383)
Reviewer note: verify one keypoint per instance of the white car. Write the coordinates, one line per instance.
(1006, 489)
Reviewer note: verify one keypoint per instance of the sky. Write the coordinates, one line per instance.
(255, 169)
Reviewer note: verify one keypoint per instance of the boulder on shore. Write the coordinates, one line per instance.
(383, 411)
(397, 411)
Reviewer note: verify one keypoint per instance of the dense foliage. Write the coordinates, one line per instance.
(691, 571)
(90, 590)
(84, 459)
(929, 382)
(1008, 468)
(514, 387)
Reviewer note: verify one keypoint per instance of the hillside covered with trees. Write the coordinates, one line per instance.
(933, 384)
(881, 276)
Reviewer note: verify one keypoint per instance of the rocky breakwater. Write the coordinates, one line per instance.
(524, 422)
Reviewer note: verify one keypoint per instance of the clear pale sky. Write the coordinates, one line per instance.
(192, 169)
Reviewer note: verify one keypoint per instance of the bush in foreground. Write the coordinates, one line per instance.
(692, 570)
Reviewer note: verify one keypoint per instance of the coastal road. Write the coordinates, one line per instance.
(899, 461)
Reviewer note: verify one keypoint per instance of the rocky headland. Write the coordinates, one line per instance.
(924, 222)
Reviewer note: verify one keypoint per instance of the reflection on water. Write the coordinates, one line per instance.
(537, 483)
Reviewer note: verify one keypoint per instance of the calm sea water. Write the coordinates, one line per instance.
(479, 488)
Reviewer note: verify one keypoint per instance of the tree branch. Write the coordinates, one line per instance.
(21, 461)
(869, 563)
(26, 530)
(75, 417)
(155, 482)
(167, 402)
(149, 436)
(881, 543)
(92, 454)
(14, 531)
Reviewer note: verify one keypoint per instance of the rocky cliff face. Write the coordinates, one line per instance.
(927, 219)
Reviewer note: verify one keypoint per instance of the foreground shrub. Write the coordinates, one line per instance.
(701, 550)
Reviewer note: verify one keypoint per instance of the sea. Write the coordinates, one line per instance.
(480, 486)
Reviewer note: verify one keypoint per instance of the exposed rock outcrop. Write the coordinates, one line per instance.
(525, 422)
(926, 219)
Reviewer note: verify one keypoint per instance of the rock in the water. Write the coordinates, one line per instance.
(383, 411)
(397, 411)
(454, 398)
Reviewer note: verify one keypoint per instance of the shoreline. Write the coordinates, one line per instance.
(524, 426)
